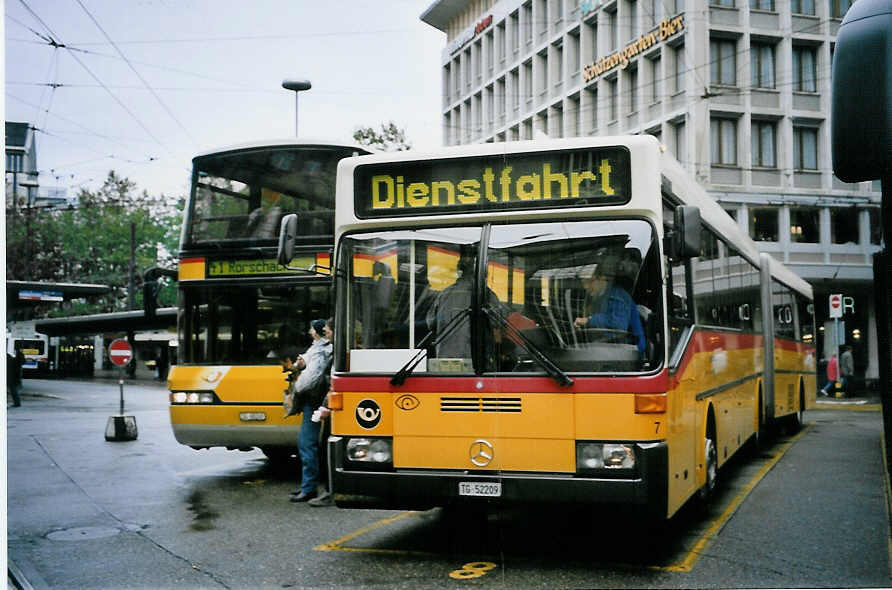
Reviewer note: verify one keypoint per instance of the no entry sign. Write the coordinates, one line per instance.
(120, 352)
(836, 305)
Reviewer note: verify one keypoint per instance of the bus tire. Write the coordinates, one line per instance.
(710, 460)
(796, 419)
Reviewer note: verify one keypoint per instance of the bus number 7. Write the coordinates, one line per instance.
(657, 424)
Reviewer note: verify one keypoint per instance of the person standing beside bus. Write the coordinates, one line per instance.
(314, 364)
(323, 413)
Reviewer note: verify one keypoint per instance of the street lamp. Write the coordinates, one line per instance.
(296, 86)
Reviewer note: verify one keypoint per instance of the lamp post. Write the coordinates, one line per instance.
(296, 86)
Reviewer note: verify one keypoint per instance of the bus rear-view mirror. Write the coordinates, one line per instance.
(687, 231)
(287, 237)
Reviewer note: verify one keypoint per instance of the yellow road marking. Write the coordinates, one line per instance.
(338, 544)
(686, 564)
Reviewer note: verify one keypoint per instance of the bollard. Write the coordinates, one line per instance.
(121, 428)
(837, 389)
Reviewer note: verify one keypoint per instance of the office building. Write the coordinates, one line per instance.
(739, 93)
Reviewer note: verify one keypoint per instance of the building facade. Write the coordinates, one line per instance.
(739, 92)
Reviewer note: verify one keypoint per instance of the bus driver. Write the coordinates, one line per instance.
(607, 304)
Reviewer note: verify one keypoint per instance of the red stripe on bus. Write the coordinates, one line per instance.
(657, 383)
(191, 260)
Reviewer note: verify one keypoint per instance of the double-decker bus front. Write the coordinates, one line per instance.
(238, 309)
(469, 359)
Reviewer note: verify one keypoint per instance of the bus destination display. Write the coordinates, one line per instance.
(573, 178)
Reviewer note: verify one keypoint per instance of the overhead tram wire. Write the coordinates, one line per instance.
(138, 75)
(55, 41)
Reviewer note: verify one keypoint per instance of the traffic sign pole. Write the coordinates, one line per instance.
(121, 427)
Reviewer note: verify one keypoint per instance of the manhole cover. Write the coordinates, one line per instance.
(83, 533)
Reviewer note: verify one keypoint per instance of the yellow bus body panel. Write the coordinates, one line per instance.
(241, 390)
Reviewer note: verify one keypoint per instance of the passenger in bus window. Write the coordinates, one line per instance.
(608, 306)
(454, 301)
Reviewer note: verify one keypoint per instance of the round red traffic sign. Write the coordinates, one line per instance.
(835, 301)
(120, 352)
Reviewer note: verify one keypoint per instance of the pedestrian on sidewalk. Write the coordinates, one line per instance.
(14, 376)
(832, 374)
(847, 369)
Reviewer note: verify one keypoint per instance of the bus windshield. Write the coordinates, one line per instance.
(239, 197)
(246, 324)
(581, 296)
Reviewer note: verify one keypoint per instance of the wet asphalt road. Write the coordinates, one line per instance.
(807, 511)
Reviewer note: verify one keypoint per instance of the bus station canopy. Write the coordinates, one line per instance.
(102, 323)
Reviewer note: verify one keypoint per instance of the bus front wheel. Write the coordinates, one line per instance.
(711, 460)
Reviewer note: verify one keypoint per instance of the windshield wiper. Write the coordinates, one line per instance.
(540, 357)
(400, 376)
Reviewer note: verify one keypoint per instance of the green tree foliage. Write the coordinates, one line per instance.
(390, 139)
(90, 243)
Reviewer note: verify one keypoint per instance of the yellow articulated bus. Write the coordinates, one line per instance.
(239, 309)
(559, 321)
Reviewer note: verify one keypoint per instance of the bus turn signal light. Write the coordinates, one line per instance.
(335, 401)
(650, 403)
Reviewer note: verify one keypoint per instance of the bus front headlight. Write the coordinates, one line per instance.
(370, 450)
(597, 456)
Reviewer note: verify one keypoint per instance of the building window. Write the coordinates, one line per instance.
(656, 79)
(612, 29)
(573, 65)
(679, 142)
(613, 98)
(632, 82)
(804, 58)
(528, 81)
(633, 19)
(838, 8)
(723, 137)
(723, 62)
(803, 7)
(679, 70)
(763, 224)
(514, 24)
(514, 89)
(762, 5)
(591, 106)
(501, 41)
(15, 162)
(876, 226)
(763, 144)
(762, 62)
(842, 230)
(805, 225)
(805, 148)
(528, 23)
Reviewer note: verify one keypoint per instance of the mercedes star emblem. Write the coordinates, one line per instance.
(481, 452)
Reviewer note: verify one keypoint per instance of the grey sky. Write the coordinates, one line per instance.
(207, 74)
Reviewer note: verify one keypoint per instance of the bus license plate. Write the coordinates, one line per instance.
(476, 488)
